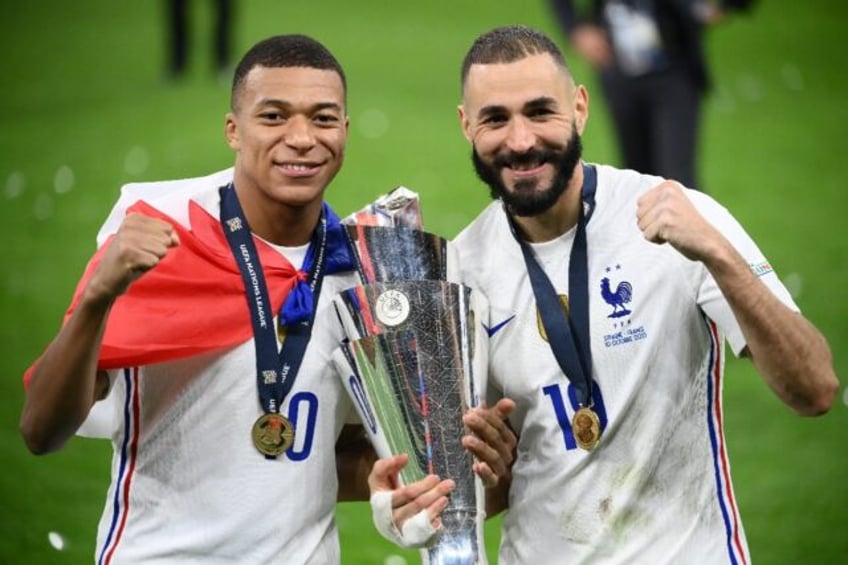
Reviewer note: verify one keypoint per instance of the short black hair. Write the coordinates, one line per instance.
(508, 44)
(292, 50)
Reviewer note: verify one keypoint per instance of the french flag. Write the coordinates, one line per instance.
(192, 302)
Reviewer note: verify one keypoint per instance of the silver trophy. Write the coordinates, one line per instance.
(414, 361)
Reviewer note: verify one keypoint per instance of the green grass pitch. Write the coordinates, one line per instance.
(84, 108)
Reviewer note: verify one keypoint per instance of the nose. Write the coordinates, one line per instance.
(520, 137)
(298, 133)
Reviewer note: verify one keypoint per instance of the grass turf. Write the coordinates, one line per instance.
(86, 108)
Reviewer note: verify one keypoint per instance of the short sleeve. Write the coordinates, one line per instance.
(709, 296)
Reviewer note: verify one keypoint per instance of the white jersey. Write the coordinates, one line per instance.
(657, 488)
(188, 486)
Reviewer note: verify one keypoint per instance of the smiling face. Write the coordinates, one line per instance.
(524, 119)
(288, 128)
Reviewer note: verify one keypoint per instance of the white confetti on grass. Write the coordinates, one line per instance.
(43, 207)
(750, 87)
(394, 560)
(792, 77)
(136, 161)
(722, 100)
(15, 183)
(63, 180)
(373, 123)
(56, 540)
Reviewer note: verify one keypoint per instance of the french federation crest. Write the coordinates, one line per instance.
(617, 299)
(619, 296)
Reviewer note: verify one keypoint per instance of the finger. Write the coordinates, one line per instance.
(175, 238)
(487, 475)
(493, 443)
(504, 407)
(648, 208)
(420, 491)
(493, 462)
(658, 198)
(652, 219)
(384, 473)
(416, 532)
(160, 237)
(139, 259)
(646, 202)
(429, 500)
(141, 228)
(490, 425)
(670, 217)
(499, 413)
(125, 261)
(652, 230)
(434, 511)
(487, 423)
(167, 231)
(498, 455)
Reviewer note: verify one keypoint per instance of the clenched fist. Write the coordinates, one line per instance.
(140, 243)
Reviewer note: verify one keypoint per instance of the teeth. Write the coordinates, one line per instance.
(525, 166)
(297, 167)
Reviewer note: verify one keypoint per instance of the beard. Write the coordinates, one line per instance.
(525, 199)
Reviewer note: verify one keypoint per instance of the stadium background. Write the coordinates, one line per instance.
(84, 108)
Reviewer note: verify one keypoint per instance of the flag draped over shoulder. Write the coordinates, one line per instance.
(194, 300)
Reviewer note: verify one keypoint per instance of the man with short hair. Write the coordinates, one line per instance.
(652, 278)
(205, 320)
(611, 294)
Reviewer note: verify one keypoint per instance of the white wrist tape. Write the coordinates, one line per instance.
(415, 532)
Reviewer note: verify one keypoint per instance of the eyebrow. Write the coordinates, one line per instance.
(540, 102)
(317, 107)
(534, 104)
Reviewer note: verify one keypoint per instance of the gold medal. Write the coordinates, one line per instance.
(272, 434)
(586, 428)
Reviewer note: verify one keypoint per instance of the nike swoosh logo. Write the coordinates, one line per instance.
(496, 328)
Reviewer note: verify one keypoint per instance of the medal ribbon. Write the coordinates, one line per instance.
(275, 372)
(568, 336)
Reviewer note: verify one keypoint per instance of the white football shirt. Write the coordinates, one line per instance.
(188, 486)
(657, 488)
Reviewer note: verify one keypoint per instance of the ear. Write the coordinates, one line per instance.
(581, 108)
(231, 131)
(464, 123)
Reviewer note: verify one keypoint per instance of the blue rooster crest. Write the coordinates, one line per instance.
(622, 295)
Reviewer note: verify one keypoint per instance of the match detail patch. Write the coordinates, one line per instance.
(761, 268)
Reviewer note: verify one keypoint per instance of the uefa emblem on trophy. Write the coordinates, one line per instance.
(415, 360)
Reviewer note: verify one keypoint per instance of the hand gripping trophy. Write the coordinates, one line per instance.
(415, 360)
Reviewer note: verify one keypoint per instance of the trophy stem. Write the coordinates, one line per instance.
(458, 543)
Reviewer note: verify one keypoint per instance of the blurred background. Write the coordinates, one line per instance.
(91, 102)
